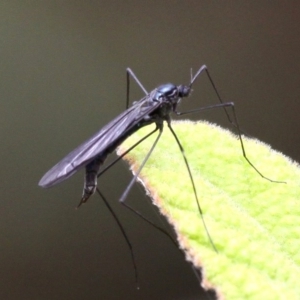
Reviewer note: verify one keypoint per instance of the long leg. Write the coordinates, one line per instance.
(204, 68)
(129, 207)
(193, 183)
(124, 153)
(231, 105)
(125, 193)
(123, 233)
(129, 73)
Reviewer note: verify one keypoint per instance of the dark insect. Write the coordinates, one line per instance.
(155, 107)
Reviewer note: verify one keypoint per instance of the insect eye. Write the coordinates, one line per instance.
(183, 91)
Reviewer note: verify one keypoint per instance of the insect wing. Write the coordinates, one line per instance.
(98, 143)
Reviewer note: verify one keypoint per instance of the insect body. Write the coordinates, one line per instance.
(153, 108)
(156, 107)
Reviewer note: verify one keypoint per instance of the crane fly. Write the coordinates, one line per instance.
(155, 107)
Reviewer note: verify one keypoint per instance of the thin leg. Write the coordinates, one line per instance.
(124, 235)
(234, 122)
(231, 105)
(127, 151)
(193, 184)
(129, 73)
(125, 193)
(152, 224)
(129, 207)
(204, 68)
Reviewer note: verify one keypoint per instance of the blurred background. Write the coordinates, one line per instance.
(62, 77)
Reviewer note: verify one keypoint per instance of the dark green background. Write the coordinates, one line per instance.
(62, 77)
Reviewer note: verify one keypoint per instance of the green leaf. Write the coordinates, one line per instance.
(254, 223)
